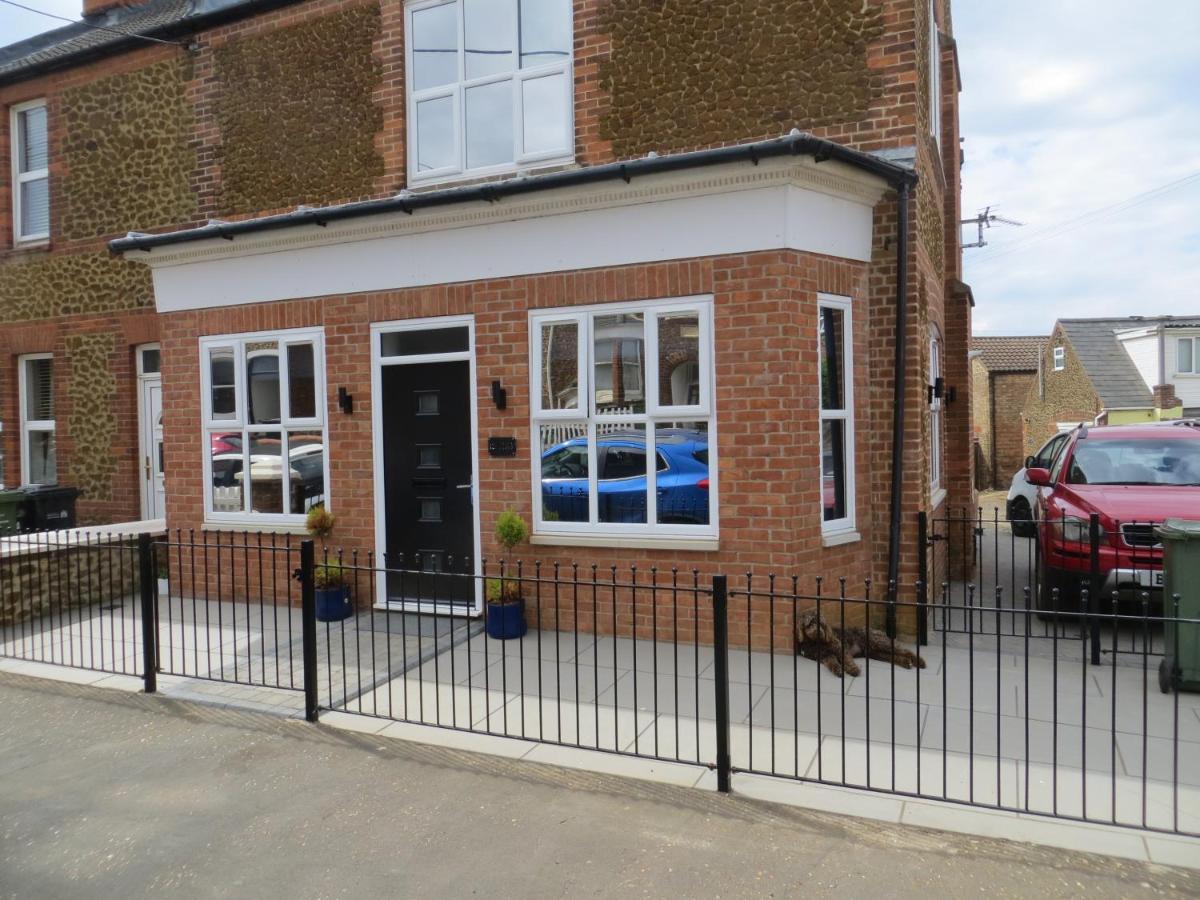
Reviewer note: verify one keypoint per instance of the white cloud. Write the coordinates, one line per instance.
(1087, 109)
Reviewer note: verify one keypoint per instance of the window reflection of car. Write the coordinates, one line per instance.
(681, 478)
(307, 466)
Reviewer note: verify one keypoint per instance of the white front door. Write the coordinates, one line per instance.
(154, 493)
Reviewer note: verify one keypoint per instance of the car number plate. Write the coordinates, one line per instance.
(1157, 579)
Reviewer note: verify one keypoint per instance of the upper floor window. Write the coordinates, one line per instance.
(1187, 356)
(30, 171)
(489, 86)
(935, 75)
(1060, 358)
(623, 421)
(264, 425)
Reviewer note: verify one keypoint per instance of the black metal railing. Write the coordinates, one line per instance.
(1003, 704)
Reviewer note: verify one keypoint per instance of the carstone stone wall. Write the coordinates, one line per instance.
(127, 149)
(929, 224)
(92, 424)
(47, 582)
(1068, 396)
(685, 74)
(297, 116)
(72, 284)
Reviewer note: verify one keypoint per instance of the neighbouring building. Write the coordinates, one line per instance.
(628, 267)
(1003, 369)
(1114, 372)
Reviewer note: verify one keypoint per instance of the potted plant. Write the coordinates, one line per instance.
(163, 573)
(329, 579)
(505, 603)
(331, 592)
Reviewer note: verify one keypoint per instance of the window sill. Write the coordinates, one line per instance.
(256, 527)
(418, 185)
(938, 497)
(632, 542)
(838, 538)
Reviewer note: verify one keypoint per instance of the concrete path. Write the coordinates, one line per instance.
(107, 794)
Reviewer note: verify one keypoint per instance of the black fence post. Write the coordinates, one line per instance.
(146, 578)
(308, 618)
(922, 578)
(721, 679)
(1093, 595)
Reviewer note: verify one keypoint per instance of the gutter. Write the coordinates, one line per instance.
(795, 144)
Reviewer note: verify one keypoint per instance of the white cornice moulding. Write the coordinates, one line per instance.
(795, 204)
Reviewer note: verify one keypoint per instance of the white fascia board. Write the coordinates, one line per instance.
(798, 206)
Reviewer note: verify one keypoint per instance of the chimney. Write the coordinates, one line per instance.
(97, 7)
(1164, 397)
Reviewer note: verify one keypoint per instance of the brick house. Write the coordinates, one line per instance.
(1114, 372)
(448, 258)
(1003, 369)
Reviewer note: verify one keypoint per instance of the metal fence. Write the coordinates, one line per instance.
(793, 677)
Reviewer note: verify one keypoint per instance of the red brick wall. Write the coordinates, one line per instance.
(766, 401)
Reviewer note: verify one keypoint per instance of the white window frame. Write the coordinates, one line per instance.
(16, 138)
(457, 90)
(936, 458)
(238, 422)
(1060, 358)
(848, 523)
(654, 415)
(1195, 345)
(28, 426)
(935, 75)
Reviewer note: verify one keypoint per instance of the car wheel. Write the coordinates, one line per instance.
(1020, 518)
(1048, 581)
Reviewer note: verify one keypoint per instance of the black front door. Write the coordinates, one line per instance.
(427, 481)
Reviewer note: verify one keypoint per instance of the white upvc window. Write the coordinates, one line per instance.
(935, 76)
(1187, 356)
(936, 395)
(35, 374)
(835, 348)
(623, 424)
(490, 87)
(30, 171)
(1060, 358)
(263, 402)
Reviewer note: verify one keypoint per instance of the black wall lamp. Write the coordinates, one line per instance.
(499, 395)
(345, 401)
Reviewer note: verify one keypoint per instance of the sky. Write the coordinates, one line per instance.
(1081, 119)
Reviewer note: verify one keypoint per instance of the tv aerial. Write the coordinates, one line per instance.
(986, 219)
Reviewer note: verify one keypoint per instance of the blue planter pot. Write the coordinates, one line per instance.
(333, 604)
(506, 621)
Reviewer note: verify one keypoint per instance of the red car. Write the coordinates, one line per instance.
(1133, 477)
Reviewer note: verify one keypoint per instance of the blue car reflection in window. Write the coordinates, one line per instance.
(682, 478)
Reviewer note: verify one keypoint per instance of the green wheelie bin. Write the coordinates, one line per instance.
(1180, 666)
(11, 505)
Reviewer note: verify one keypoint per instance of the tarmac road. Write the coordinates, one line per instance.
(108, 794)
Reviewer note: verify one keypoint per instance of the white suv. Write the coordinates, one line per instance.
(1022, 496)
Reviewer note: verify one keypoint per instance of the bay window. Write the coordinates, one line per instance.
(264, 426)
(623, 424)
(490, 86)
(835, 363)
(38, 439)
(30, 171)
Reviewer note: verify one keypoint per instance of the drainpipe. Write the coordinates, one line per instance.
(898, 394)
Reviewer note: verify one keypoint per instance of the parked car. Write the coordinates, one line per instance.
(681, 478)
(1133, 477)
(1022, 496)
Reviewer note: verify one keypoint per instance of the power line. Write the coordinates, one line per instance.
(130, 34)
(1057, 230)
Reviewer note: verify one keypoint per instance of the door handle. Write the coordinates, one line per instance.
(463, 487)
(149, 470)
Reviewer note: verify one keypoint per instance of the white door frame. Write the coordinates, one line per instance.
(377, 363)
(146, 431)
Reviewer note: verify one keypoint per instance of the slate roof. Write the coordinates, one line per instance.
(109, 32)
(1110, 369)
(1010, 354)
